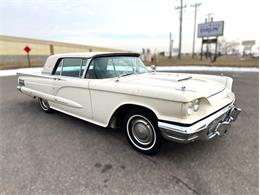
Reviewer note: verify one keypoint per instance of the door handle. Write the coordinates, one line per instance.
(57, 79)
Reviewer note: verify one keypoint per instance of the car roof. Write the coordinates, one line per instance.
(93, 54)
(51, 60)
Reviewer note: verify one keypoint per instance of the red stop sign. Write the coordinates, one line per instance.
(27, 49)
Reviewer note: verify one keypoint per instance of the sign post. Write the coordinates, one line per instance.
(27, 49)
(208, 30)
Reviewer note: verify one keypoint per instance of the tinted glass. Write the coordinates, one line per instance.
(72, 67)
(109, 67)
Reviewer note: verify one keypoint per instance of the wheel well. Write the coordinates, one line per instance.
(117, 117)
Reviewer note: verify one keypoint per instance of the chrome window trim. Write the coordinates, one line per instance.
(62, 64)
(86, 68)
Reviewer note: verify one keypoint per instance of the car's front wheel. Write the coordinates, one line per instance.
(44, 105)
(142, 131)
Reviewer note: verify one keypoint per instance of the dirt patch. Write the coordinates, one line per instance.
(221, 61)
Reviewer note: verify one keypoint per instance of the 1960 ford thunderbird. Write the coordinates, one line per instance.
(116, 90)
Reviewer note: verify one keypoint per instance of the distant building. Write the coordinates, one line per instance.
(12, 50)
(174, 52)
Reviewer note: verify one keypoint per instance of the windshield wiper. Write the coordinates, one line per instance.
(126, 74)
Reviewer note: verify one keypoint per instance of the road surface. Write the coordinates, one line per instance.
(57, 154)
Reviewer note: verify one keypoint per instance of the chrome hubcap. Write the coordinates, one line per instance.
(142, 131)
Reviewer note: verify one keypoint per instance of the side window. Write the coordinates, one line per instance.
(71, 67)
(102, 68)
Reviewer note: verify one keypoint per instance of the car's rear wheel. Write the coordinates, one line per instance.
(142, 131)
(44, 105)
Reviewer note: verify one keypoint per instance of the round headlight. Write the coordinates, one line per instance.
(196, 105)
(190, 108)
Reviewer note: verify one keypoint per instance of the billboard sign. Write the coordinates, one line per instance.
(211, 29)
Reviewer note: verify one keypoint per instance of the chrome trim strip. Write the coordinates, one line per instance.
(52, 98)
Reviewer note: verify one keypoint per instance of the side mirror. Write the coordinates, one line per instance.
(153, 68)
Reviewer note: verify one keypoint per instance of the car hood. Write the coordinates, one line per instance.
(177, 87)
(187, 84)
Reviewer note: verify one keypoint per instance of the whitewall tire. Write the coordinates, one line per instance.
(44, 105)
(142, 131)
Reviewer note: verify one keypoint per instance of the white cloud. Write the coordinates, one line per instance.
(123, 23)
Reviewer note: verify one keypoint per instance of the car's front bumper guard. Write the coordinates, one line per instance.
(216, 124)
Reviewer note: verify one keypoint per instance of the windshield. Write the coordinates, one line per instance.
(116, 66)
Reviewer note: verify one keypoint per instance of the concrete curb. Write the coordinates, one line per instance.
(206, 68)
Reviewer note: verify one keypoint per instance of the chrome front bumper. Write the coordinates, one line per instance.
(216, 124)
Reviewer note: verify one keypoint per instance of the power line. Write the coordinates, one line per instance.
(181, 7)
(196, 5)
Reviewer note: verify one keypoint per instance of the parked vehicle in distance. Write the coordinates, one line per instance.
(116, 90)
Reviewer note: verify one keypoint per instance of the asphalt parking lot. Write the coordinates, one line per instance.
(57, 154)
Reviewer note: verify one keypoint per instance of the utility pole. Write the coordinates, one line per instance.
(170, 46)
(196, 5)
(209, 19)
(181, 7)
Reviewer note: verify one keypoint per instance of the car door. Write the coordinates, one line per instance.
(70, 89)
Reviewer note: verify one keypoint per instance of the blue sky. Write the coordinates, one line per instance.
(127, 24)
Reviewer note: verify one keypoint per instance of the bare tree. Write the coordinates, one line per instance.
(225, 47)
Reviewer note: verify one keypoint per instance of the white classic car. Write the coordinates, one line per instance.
(116, 90)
